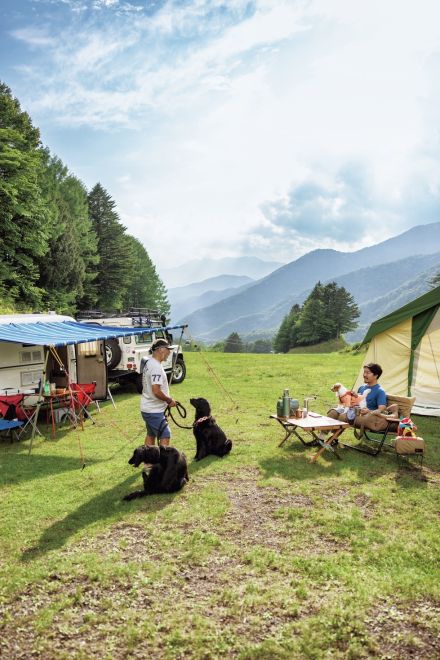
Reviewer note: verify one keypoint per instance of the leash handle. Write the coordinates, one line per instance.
(182, 412)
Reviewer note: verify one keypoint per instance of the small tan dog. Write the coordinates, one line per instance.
(348, 398)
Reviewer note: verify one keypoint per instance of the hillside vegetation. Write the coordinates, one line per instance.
(262, 555)
(385, 270)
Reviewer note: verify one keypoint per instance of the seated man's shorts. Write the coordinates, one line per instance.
(157, 425)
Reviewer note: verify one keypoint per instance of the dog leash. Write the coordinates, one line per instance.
(182, 412)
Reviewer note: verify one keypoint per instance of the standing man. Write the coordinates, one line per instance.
(156, 395)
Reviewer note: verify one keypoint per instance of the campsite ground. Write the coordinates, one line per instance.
(262, 555)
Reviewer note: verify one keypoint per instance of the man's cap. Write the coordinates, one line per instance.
(160, 343)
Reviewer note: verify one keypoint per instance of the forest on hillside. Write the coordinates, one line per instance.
(63, 247)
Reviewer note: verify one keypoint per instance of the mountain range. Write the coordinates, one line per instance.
(186, 299)
(198, 270)
(380, 278)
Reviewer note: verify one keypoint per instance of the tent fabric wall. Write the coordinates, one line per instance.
(425, 385)
(392, 350)
(406, 344)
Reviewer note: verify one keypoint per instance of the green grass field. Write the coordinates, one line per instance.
(262, 555)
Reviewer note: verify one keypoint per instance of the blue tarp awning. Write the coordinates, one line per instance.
(61, 333)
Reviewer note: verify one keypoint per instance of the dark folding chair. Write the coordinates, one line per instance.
(372, 442)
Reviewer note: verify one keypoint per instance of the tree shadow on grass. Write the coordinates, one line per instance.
(292, 462)
(108, 504)
(22, 468)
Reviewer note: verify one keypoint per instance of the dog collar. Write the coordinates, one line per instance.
(202, 419)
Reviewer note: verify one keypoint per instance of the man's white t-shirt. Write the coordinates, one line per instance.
(154, 374)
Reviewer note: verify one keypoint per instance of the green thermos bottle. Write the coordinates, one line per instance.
(286, 404)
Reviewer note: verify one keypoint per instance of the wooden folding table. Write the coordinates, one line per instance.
(313, 424)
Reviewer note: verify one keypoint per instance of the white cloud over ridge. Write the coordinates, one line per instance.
(270, 127)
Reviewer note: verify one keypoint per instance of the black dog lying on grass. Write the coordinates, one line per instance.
(210, 439)
(169, 472)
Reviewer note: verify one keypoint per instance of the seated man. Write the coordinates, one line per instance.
(369, 417)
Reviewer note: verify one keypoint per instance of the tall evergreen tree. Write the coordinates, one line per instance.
(67, 270)
(328, 312)
(25, 225)
(341, 309)
(233, 343)
(286, 335)
(114, 249)
(145, 289)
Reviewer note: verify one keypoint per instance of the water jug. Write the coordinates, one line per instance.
(286, 404)
(294, 405)
(280, 408)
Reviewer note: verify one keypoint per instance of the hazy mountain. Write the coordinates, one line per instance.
(201, 269)
(219, 283)
(268, 300)
(186, 299)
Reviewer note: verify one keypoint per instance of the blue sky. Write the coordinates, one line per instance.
(225, 128)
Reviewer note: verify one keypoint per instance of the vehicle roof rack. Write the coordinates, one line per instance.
(90, 314)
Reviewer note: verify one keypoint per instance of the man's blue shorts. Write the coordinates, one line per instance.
(157, 425)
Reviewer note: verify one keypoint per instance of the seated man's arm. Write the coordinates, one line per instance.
(381, 404)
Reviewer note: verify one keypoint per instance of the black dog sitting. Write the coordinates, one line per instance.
(210, 439)
(169, 472)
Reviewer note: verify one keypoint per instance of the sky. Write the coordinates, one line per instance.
(234, 127)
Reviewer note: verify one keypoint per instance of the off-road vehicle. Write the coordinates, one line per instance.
(126, 356)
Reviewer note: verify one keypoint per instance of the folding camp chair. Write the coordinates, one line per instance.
(12, 407)
(376, 439)
(82, 398)
(11, 428)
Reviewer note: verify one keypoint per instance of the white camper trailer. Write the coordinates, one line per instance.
(23, 363)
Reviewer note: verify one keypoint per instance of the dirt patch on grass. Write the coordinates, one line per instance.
(408, 630)
(364, 503)
(65, 614)
(134, 542)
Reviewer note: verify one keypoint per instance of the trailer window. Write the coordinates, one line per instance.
(127, 339)
(30, 378)
(29, 356)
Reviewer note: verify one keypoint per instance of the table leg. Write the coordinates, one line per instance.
(54, 431)
(329, 445)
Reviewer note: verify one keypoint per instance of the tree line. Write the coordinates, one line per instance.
(328, 312)
(63, 247)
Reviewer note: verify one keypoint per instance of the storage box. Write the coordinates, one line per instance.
(409, 445)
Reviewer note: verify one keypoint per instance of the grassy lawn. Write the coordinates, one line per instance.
(262, 555)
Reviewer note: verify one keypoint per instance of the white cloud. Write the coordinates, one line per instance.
(234, 109)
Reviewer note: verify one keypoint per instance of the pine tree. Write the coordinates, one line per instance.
(145, 289)
(116, 263)
(67, 270)
(25, 225)
(286, 335)
(233, 343)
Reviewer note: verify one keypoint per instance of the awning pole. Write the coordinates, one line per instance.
(39, 402)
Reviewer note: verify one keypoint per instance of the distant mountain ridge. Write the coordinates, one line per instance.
(186, 299)
(202, 269)
(263, 304)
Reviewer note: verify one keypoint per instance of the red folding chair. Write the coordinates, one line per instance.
(12, 408)
(83, 397)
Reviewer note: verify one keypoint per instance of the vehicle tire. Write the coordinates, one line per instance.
(179, 371)
(138, 383)
(112, 353)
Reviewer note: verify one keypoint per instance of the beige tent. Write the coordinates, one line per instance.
(406, 344)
